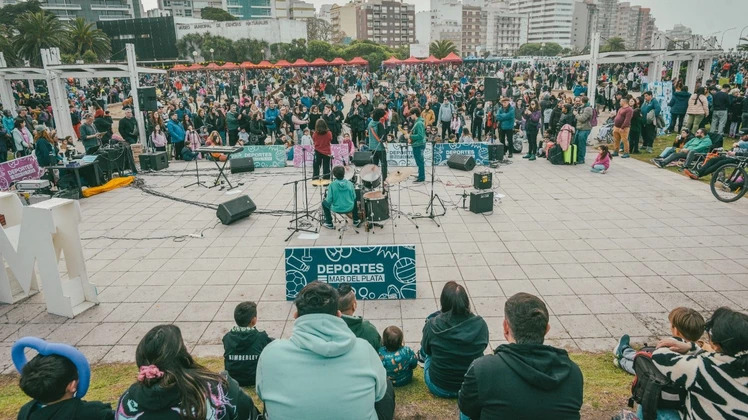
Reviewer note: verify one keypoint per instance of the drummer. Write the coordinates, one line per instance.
(341, 198)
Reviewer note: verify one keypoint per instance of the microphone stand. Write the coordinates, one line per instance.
(434, 197)
(296, 228)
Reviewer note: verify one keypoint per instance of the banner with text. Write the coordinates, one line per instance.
(264, 156)
(340, 155)
(19, 169)
(374, 272)
(400, 155)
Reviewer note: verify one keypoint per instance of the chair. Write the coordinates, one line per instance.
(344, 228)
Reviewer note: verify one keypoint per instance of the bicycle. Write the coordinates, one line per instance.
(730, 181)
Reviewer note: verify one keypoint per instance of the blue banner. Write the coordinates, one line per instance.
(264, 156)
(374, 272)
(479, 151)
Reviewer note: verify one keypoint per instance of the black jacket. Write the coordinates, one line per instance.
(241, 351)
(128, 129)
(453, 342)
(73, 408)
(523, 381)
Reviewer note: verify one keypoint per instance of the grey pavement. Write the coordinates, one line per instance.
(610, 254)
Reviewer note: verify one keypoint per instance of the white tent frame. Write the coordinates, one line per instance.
(656, 57)
(56, 74)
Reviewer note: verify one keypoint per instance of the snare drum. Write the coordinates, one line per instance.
(350, 174)
(371, 176)
(377, 206)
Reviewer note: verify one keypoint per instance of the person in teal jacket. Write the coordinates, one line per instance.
(323, 371)
(341, 198)
(176, 134)
(505, 118)
(417, 140)
(699, 144)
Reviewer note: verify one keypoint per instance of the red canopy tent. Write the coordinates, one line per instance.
(319, 62)
(229, 66)
(392, 61)
(195, 67)
(300, 63)
(247, 65)
(264, 64)
(431, 60)
(451, 58)
(412, 60)
(358, 61)
(213, 66)
(338, 62)
(283, 63)
(179, 67)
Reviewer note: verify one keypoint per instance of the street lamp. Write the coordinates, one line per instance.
(740, 37)
(211, 54)
(262, 51)
(194, 56)
(723, 36)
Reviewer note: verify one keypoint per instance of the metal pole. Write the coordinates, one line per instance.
(132, 67)
(592, 73)
(6, 92)
(63, 123)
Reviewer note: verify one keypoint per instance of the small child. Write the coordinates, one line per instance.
(351, 148)
(466, 137)
(243, 136)
(306, 139)
(398, 360)
(602, 161)
(187, 154)
(52, 381)
(243, 344)
(453, 138)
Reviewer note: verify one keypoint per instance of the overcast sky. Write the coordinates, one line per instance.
(703, 17)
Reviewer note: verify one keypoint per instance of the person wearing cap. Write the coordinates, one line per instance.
(505, 120)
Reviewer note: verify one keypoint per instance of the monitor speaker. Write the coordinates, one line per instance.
(233, 210)
(481, 202)
(153, 161)
(239, 165)
(491, 89)
(495, 151)
(461, 162)
(362, 158)
(147, 99)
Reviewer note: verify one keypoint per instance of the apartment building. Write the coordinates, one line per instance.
(92, 10)
(548, 20)
(505, 32)
(388, 22)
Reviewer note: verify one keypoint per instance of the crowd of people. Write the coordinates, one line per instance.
(337, 365)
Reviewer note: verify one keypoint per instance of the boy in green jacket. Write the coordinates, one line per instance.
(341, 198)
(417, 140)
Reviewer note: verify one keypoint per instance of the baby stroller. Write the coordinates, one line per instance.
(605, 135)
(518, 139)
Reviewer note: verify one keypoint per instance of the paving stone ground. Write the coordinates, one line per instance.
(609, 254)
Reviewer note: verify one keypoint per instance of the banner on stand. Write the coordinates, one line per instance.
(340, 155)
(19, 169)
(400, 155)
(264, 156)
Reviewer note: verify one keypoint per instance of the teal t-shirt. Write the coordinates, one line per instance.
(375, 128)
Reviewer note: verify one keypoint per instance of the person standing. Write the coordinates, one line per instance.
(698, 109)
(720, 104)
(621, 128)
(322, 151)
(532, 123)
(378, 141)
(233, 119)
(636, 125)
(445, 116)
(417, 140)
(583, 115)
(177, 135)
(89, 135)
(505, 118)
(650, 112)
(678, 106)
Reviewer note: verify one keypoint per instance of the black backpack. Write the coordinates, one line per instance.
(653, 390)
(556, 154)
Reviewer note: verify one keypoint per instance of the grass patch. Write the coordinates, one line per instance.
(606, 389)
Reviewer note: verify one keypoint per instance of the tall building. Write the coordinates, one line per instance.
(504, 32)
(388, 22)
(192, 8)
(548, 20)
(324, 12)
(634, 24)
(294, 9)
(583, 24)
(92, 10)
(423, 27)
(343, 20)
(446, 22)
(473, 30)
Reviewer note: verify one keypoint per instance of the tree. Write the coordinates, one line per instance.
(223, 48)
(316, 49)
(214, 13)
(441, 49)
(319, 30)
(10, 13)
(741, 46)
(190, 43)
(614, 44)
(37, 30)
(86, 37)
(547, 49)
(250, 49)
(89, 57)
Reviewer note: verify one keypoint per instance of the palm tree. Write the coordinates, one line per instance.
(37, 30)
(741, 46)
(614, 44)
(86, 37)
(441, 49)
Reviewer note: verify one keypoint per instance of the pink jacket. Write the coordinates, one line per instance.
(605, 162)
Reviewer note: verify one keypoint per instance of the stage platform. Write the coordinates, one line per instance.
(610, 254)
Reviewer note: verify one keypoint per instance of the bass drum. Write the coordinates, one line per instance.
(376, 206)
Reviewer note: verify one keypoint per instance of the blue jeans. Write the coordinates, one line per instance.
(438, 392)
(328, 213)
(418, 156)
(667, 152)
(597, 168)
(463, 417)
(581, 141)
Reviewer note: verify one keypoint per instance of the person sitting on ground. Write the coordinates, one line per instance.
(188, 154)
(172, 386)
(524, 379)
(452, 339)
(323, 371)
(684, 137)
(715, 381)
(341, 198)
(347, 305)
(52, 381)
(398, 360)
(602, 161)
(699, 144)
(243, 344)
(739, 149)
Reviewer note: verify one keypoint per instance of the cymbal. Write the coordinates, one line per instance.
(399, 175)
(321, 182)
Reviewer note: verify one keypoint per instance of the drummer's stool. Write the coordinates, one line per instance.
(345, 217)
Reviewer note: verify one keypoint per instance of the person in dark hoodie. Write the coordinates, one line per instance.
(52, 382)
(524, 379)
(360, 327)
(243, 344)
(452, 339)
(172, 386)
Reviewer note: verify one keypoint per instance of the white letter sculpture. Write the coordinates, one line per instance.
(39, 234)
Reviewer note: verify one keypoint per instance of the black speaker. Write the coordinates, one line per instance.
(153, 161)
(481, 202)
(461, 162)
(233, 210)
(239, 165)
(491, 89)
(147, 99)
(482, 180)
(495, 151)
(362, 158)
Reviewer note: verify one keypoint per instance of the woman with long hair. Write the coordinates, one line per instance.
(637, 122)
(214, 139)
(532, 118)
(322, 139)
(171, 385)
(698, 109)
(158, 138)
